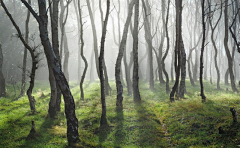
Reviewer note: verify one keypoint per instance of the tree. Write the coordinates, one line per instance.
(229, 57)
(55, 100)
(103, 121)
(136, 93)
(213, 27)
(177, 47)
(33, 56)
(122, 47)
(64, 39)
(148, 37)
(72, 121)
(202, 50)
(2, 79)
(167, 50)
(22, 92)
(95, 46)
(82, 54)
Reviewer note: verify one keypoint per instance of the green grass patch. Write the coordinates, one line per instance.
(155, 122)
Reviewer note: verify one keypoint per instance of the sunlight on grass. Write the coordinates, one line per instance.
(153, 123)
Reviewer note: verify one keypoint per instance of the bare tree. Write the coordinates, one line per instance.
(178, 47)
(2, 79)
(167, 50)
(82, 54)
(103, 121)
(22, 92)
(148, 37)
(72, 121)
(202, 50)
(55, 100)
(122, 47)
(230, 61)
(33, 56)
(213, 27)
(136, 93)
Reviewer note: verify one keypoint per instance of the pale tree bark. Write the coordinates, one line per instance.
(72, 121)
(213, 27)
(160, 49)
(103, 122)
(122, 47)
(94, 36)
(82, 54)
(64, 39)
(178, 4)
(55, 100)
(136, 93)
(148, 37)
(79, 42)
(2, 79)
(196, 65)
(230, 61)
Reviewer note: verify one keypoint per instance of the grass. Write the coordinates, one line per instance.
(153, 123)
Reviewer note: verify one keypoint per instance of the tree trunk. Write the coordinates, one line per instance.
(55, 100)
(177, 47)
(25, 55)
(183, 70)
(136, 93)
(148, 37)
(122, 47)
(214, 44)
(103, 122)
(168, 40)
(2, 79)
(82, 55)
(72, 121)
(230, 62)
(94, 36)
(202, 51)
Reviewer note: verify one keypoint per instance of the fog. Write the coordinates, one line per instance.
(13, 48)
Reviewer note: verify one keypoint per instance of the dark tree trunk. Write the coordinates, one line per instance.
(95, 44)
(165, 55)
(25, 55)
(72, 121)
(55, 91)
(2, 79)
(136, 93)
(202, 51)
(182, 87)
(122, 47)
(82, 55)
(177, 47)
(103, 121)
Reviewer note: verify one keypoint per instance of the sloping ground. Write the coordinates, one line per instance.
(154, 123)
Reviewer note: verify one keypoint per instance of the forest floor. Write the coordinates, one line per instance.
(153, 123)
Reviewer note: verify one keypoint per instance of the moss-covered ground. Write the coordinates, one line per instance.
(155, 122)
